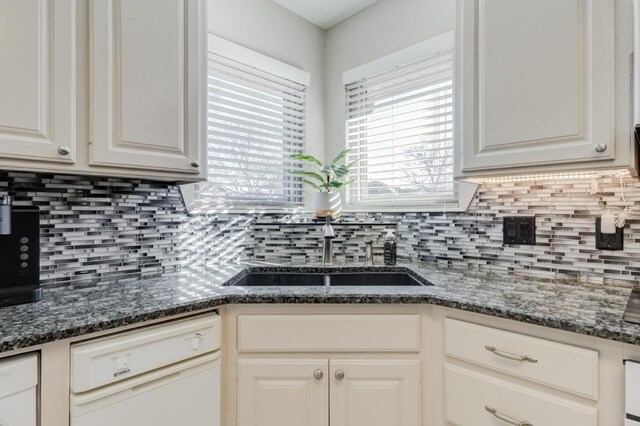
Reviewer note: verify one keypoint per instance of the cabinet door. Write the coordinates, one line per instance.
(148, 84)
(283, 392)
(375, 393)
(534, 83)
(37, 84)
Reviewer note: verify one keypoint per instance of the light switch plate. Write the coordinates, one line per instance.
(519, 230)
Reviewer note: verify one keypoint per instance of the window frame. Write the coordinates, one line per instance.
(218, 46)
(464, 191)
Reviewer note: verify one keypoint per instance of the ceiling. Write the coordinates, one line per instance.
(325, 13)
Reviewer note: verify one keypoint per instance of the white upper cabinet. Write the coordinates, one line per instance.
(37, 80)
(534, 84)
(148, 84)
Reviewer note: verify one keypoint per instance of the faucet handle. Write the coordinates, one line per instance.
(368, 239)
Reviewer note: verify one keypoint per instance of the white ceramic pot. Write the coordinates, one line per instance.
(327, 204)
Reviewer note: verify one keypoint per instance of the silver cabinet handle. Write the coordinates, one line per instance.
(339, 374)
(318, 374)
(506, 419)
(510, 355)
(64, 150)
(601, 147)
(195, 164)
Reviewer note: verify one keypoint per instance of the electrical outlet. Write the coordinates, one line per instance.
(519, 230)
(609, 241)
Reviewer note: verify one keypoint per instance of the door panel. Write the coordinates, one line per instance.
(37, 88)
(151, 116)
(148, 84)
(375, 393)
(534, 83)
(282, 392)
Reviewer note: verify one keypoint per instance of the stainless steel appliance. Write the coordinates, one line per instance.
(19, 253)
(632, 311)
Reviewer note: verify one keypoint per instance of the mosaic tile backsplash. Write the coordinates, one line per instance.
(106, 227)
(565, 213)
(95, 227)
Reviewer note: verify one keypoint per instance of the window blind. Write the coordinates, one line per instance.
(255, 121)
(399, 127)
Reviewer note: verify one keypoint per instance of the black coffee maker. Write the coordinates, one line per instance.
(19, 253)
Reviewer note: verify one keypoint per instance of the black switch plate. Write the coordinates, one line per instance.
(519, 230)
(609, 241)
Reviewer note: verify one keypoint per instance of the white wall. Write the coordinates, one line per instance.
(266, 27)
(379, 30)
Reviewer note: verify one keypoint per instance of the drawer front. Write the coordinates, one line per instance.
(474, 399)
(558, 365)
(329, 333)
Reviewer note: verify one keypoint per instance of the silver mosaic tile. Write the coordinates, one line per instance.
(95, 227)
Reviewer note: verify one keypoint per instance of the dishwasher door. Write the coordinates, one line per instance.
(186, 393)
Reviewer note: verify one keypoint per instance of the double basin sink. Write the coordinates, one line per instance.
(331, 279)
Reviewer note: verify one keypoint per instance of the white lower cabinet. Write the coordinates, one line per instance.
(283, 392)
(18, 391)
(476, 399)
(375, 392)
(558, 365)
(319, 392)
(321, 365)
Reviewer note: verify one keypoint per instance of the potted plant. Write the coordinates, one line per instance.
(328, 179)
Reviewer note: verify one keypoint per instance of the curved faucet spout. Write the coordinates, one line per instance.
(328, 235)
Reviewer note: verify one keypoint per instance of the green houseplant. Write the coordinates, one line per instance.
(328, 179)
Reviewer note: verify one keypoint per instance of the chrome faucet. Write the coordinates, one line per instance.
(368, 250)
(327, 246)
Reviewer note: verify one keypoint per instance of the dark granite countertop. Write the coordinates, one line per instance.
(74, 310)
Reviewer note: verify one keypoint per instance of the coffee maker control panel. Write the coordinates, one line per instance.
(20, 257)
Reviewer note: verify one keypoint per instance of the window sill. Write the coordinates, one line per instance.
(466, 192)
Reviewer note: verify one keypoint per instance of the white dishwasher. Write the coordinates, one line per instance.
(18, 390)
(164, 375)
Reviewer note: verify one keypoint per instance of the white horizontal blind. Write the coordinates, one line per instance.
(255, 121)
(400, 130)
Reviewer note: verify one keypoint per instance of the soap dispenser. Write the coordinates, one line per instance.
(390, 248)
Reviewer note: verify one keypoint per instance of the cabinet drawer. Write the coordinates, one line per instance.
(553, 364)
(469, 397)
(328, 333)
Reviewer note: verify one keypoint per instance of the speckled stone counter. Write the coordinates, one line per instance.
(74, 310)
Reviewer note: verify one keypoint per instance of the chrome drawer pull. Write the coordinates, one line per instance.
(509, 355)
(506, 419)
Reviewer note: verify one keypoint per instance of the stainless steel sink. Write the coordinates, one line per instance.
(333, 279)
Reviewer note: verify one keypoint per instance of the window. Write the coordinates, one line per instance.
(399, 127)
(255, 121)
